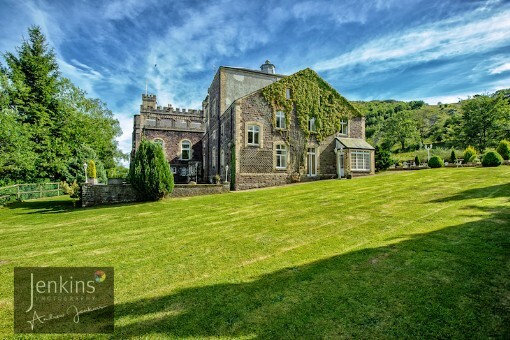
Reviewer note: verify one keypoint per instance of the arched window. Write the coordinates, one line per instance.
(159, 141)
(222, 158)
(185, 150)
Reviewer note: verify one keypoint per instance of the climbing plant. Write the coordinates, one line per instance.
(311, 97)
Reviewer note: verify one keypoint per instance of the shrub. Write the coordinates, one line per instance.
(73, 189)
(436, 162)
(382, 158)
(469, 153)
(504, 149)
(492, 158)
(453, 157)
(91, 169)
(150, 173)
(416, 160)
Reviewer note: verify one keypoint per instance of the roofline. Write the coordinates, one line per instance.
(253, 71)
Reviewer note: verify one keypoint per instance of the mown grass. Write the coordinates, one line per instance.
(416, 254)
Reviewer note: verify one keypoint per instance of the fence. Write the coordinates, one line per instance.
(22, 192)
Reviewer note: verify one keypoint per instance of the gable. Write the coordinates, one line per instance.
(312, 97)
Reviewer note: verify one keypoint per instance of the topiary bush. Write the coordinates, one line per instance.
(504, 149)
(469, 153)
(91, 169)
(417, 160)
(492, 158)
(453, 157)
(150, 173)
(436, 162)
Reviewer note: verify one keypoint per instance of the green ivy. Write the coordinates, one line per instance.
(311, 96)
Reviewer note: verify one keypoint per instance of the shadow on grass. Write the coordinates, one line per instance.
(59, 205)
(452, 283)
(500, 190)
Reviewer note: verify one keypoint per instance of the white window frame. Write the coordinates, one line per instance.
(281, 154)
(186, 149)
(311, 125)
(344, 124)
(315, 154)
(255, 130)
(360, 160)
(280, 120)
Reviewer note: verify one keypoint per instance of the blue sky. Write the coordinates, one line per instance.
(382, 49)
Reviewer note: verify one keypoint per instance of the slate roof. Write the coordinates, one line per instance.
(354, 143)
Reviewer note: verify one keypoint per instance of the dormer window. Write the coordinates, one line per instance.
(311, 125)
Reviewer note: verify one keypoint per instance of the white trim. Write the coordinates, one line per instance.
(360, 160)
(190, 150)
(279, 154)
(309, 154)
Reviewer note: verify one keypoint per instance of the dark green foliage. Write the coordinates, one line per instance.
(469, 154)
(453, 157)
(400, 128)
(417, 160)
(492, 158)
(504, 149)
(436, 162)
(150, 173)
(382, 158)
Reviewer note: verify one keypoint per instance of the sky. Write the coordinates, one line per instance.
(436, 51)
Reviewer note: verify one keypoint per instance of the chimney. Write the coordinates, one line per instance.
(267, 67)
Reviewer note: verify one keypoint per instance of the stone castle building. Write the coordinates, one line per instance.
(259, 128)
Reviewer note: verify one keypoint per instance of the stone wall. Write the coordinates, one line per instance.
(186, 190)
(124, 193)
(107, 194)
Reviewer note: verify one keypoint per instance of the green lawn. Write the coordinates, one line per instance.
(420, 254)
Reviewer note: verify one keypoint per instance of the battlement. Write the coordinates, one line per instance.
(149, 104)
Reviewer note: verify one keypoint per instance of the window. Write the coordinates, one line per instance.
(222, 158)
(360, 160)
(344, 127)
(311, 162)
(222, 129)
(213, 160)
(311, 125)
(174, 170)
(281, 156)
(214, 135)
(185, 150)
(287, 93)
(183, 171)
(280, 120)
(159, 141)
(253, 135)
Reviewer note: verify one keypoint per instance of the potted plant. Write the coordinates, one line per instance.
(114, 177)
(217, 179)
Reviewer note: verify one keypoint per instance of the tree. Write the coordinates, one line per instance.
(33, 73)
(400, 128)
(150, 173)
(504, 149)
(483, 117)
(49, 125)
(382, 158)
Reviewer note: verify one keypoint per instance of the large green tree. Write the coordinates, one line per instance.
(54, 125)
(401, 128)
(485, 118)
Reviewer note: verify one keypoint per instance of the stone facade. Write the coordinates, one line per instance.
(174, 129)
(234, 102)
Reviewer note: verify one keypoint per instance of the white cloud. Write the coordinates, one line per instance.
(445, 39)
(500, 68)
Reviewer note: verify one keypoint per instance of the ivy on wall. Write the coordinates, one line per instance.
(312, 97)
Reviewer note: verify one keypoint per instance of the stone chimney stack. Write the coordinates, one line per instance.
(267, 67)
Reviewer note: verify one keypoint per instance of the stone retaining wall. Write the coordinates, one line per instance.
(124, 193)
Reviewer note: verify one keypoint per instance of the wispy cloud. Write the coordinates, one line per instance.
(444, 39)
